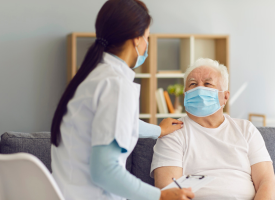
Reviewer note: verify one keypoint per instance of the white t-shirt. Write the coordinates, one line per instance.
(226, 152)
(105, 107)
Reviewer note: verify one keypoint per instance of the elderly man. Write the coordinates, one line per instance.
(212, 143)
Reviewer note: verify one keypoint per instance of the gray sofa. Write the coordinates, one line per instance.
(138, 163)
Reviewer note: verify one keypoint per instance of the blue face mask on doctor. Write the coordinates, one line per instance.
(202, 101)
(141, 59)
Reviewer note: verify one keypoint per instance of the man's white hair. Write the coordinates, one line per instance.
(210, 63)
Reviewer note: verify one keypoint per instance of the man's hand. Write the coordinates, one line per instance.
(169, 125)
(177, 194)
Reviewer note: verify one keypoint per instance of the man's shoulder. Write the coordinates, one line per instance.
(241, 122)
(175, 140)
(244, 125)
(176, 135)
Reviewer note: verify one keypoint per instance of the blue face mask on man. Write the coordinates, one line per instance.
(202, 101)
(141, 59)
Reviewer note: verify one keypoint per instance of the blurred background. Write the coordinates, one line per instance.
(33, 51)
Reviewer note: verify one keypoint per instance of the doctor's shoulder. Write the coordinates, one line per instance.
(102, 71)
(110, 72)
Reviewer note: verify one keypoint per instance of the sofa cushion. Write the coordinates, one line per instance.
(142, 158)
(268, 134)
(37, 144)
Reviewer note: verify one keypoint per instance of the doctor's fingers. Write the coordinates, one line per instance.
(167, 129)
(176, 194)
(175, 121)
(187, 193)
(167, 126)
(176, 127)
(176, 124)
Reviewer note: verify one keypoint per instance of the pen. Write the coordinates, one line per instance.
(176, 183)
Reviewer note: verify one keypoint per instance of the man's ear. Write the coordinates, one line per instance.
(226, 96)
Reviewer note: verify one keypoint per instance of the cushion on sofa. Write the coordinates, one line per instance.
(268, 134)
(142, 158)
(37, 144)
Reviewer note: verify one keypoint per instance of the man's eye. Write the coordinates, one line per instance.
(192, 84)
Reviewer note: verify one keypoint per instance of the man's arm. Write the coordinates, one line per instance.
(263, 178)
(163, 175)
(167, 159)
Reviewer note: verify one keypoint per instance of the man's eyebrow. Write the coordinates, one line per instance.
(209, 79)
(191, 79)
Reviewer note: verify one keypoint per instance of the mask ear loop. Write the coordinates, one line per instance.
(145, 41)
(138, 46)
(137, 53)
(137, 49)
(224, 104)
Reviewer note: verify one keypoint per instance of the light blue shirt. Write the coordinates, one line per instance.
(107, 173)
(147, 130)
(112, 177)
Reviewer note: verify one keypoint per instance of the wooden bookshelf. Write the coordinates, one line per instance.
(189, 46)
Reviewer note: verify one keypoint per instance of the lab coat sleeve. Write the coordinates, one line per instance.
(147, 130)
(114, 116)
(113, 178)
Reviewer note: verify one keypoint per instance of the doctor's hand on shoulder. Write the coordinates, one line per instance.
(177, 194)
(169, 125)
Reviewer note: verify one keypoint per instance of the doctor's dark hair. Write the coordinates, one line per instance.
(117, 22)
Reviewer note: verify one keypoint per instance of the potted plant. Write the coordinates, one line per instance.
(177, 90)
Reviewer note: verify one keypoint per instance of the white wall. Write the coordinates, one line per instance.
(33, 51)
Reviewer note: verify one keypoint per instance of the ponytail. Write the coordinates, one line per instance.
(117, 21)
(91, 60)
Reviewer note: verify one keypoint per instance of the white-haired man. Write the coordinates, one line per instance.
(212, 143)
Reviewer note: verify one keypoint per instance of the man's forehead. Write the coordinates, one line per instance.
(204, 79)
(205, 73)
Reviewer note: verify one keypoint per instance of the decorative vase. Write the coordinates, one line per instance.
(177, 102)
(177, 106)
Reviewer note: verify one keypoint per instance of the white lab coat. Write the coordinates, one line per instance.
(105, 107)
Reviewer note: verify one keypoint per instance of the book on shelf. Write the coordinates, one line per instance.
(161, 103)
(168, 102)
(170, 72)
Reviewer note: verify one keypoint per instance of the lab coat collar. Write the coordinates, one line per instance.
(119, 66)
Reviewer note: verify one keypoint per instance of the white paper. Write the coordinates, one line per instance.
(193, 181)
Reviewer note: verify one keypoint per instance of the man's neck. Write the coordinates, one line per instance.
(212, 121)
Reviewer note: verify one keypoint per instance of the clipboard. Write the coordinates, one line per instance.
(196, 182)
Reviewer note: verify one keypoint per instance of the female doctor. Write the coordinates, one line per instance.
(96, 126)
